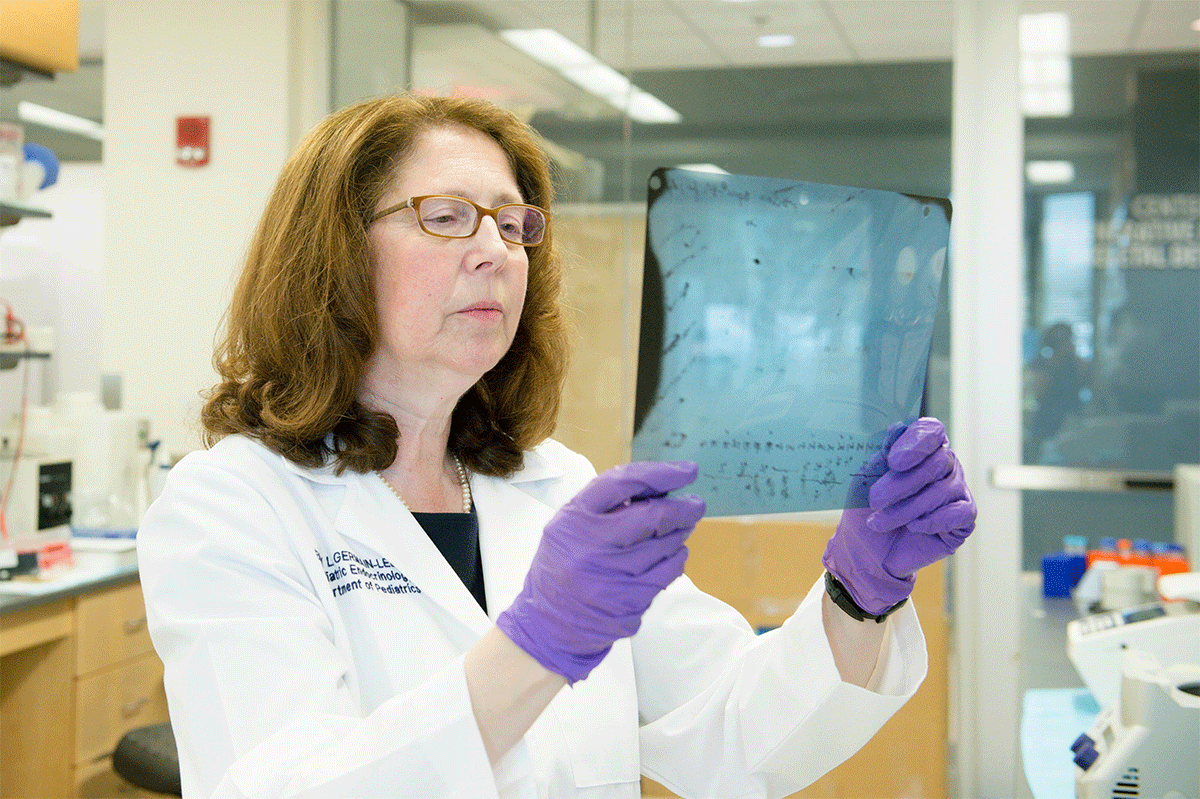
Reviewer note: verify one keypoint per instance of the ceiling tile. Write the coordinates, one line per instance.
(916, 30)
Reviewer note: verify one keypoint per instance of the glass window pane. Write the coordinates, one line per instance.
(1112, 327)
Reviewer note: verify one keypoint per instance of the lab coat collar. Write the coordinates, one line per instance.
(511, 518)
(510, 528)
(537, 467)
(326, 474)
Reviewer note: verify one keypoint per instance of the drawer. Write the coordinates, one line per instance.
(23, 629)
(110, 702)
(110, 627)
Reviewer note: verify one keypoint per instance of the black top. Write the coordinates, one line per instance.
(457, 538)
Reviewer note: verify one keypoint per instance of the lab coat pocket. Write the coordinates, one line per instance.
(600, 722)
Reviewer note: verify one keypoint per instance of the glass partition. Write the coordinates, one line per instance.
(1112, 328)
(868, 109)
(846, 93)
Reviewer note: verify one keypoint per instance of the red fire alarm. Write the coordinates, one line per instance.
(191, 141)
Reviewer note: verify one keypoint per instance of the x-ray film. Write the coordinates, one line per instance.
(785, 326)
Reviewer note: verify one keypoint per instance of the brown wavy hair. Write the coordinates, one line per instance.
(302, 322)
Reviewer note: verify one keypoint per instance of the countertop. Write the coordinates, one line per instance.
(20, 594)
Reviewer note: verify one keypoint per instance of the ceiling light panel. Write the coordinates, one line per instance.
(599, 79)
(1049, 172)
(468, 59)
(775, 40)
(1044, 34)
(1105, 27)
(731, 31)
(1045, 68)
(582, 68)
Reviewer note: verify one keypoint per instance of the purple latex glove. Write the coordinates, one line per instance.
(602, 559)
(920, 510)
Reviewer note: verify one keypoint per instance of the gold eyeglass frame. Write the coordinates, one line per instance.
(481, 211)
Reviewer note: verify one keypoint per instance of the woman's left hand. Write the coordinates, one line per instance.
(920, 510)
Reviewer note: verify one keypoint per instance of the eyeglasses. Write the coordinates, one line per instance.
(451, 217)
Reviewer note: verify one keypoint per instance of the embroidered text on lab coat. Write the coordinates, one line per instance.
(348, 572)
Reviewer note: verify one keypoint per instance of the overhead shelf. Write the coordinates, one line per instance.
(12, 72)
(12, 212)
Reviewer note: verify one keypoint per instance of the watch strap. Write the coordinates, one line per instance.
(841, 597)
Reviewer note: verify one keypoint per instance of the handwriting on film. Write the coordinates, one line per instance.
(789, 196)
(777, 470)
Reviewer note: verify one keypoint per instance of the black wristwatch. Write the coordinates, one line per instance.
(841, 597)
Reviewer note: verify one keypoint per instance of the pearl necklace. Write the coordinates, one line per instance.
(462, 482)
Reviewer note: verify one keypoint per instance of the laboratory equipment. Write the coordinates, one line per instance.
(39, 503)
(40, 170)
(106, 455)
(1062, 571)
(1145, 745)
(1127, 587)
(1170, 631)
(37, 514)
(1187, 509)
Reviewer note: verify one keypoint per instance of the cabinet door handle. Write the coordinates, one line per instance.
(133, 625)
(130, 708)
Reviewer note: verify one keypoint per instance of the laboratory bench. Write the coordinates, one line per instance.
(77, 671)
(1056, 707)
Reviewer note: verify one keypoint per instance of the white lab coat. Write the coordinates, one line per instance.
(287, 678)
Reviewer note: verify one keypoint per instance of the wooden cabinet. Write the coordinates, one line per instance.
(75, 675)
(42, 35)
(37, 653)
(118, 682)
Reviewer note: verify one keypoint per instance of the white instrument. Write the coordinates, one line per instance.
(1146, 745)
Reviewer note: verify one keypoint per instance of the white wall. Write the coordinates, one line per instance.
(176, 235)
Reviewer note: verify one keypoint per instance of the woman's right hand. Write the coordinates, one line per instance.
(602, 559)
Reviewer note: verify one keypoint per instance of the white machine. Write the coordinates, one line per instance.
(1169, 631)
(40, 502)
(1148, 745)
(37, 516)
(1187, 510)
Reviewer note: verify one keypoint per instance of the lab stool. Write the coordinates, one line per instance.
(147, 758)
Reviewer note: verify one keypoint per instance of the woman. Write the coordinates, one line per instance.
(382, 575)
